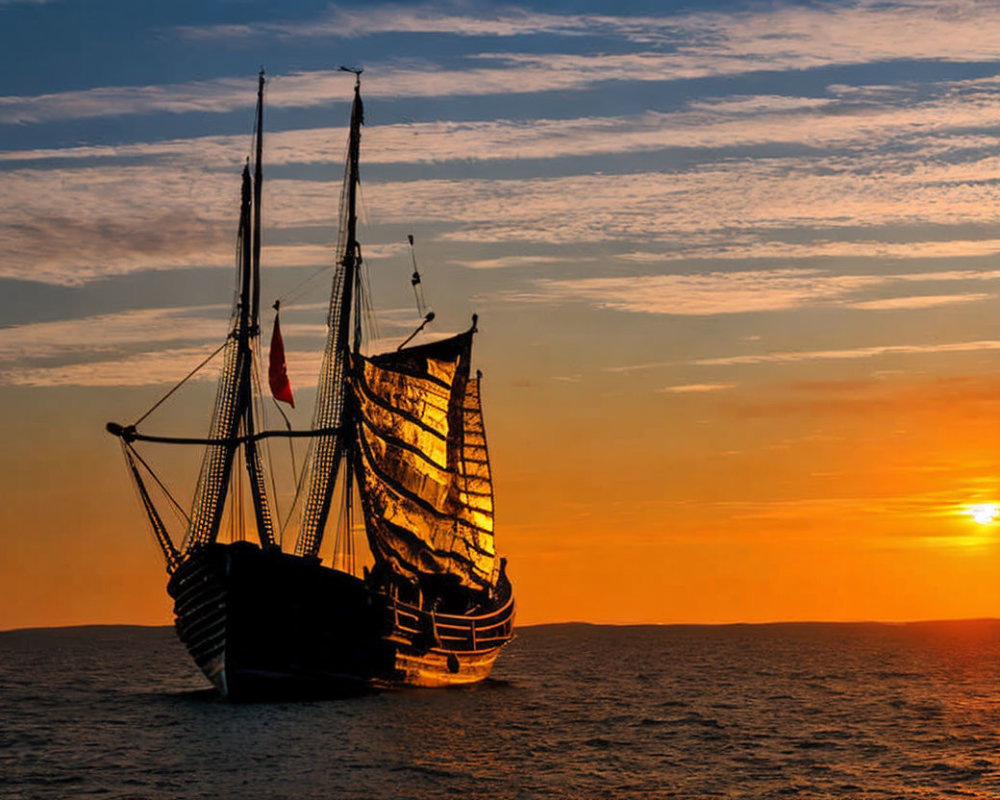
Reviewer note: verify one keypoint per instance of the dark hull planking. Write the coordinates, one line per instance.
(265, 623)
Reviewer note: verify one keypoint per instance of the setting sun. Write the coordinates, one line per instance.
(984, 513)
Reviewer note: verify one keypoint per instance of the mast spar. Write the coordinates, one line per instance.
(234, 400)
(324, 460)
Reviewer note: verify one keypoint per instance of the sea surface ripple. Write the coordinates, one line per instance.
(572, 711)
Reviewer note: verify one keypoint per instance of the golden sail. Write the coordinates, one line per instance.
(427, 489)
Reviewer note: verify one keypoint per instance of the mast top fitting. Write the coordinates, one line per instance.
(356, 72)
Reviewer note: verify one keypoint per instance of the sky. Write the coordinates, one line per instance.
(735, 266)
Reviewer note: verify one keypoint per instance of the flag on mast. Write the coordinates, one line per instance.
(277, 372)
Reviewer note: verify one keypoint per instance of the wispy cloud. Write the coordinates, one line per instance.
(104, 332)
(795, 356)
(919, 120)
(749, 246)
(310, 89)
(504, 262)
(68, 225)
(702, 294)
(348, 23)
(777, 37)
(168, 206)
(918, 301)
(150, 368)
(698, 388)
(678, 47)
(136, 348)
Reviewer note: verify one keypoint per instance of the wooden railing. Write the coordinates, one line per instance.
(455, 632)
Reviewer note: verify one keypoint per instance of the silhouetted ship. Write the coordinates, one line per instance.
(401, 434)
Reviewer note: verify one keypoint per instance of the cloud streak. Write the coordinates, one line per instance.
(797, 356)
(783, 38)
(918, 120)
(698, 388)
(73, 225)
(108, 332)
(162, 367)
(748, 291)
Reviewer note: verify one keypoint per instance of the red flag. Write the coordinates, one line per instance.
(277, 373)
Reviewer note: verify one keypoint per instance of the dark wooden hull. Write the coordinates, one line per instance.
(266, 623)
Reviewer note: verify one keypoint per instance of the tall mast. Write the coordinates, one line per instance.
(232, 423)
(258, 181)
(352, 265)
(351, 249)
(250, 329)
(331, 406)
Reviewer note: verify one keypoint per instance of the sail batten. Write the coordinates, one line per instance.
(405, 493)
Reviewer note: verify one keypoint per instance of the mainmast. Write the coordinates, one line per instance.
(328, 451)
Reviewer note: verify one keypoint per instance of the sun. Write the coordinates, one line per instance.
(984, 513)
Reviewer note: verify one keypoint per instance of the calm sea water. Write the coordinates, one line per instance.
(573, 711)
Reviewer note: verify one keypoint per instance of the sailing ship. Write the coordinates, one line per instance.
(399, 434)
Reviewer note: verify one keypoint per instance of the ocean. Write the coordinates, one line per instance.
(572, 711)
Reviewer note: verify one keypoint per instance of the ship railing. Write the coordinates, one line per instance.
(482, 631)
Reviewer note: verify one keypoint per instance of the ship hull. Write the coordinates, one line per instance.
(265, 623)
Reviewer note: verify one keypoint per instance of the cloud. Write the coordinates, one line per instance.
(917, 301)
(349, 23)
(313, 88)
(165, 204)
(68, 225)
(782, 36)
(108, 332)
(504, 262)
(917, 120)
(684, 46)
(703, 294)
(72, 225)
(100, 350)
(698, 388)
(796, 356)
(748, 246)
(152, 368)
(111, 333)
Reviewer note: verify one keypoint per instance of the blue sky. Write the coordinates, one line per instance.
(727, 224)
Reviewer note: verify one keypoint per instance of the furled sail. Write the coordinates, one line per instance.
(424, 470)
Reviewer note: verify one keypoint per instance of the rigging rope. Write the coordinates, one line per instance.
(184, 380)
(298, 290)
(177, 506)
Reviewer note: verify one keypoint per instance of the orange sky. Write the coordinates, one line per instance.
(808, 501)
(736, 272)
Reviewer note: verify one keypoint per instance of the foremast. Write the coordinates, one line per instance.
(332, 412)
(233, 418)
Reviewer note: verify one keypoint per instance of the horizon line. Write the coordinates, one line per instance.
(767, 623)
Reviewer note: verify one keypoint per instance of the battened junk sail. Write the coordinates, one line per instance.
(403, 432)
